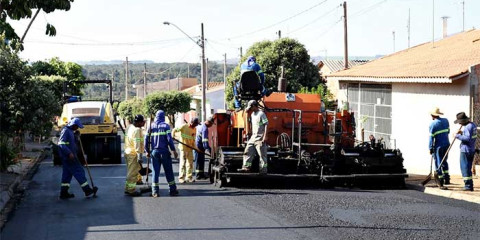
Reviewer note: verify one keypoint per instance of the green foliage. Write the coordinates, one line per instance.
(21, 9)
(271, 56)
(59, 72)
(322, 90)
(128, 109)
(8, 152)
(171, 102)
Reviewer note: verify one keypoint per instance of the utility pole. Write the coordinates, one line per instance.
(126, 79)
(225, 80)
(393, 33)
(345, 35)
(188, 70)
(241, 54)
(463, 15)
(408, 27)
(204, 78)
(144, 80)
(206, 74)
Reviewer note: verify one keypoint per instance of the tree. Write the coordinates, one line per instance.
(171, 102)
(58, 72)
(21, 9)
(289, 53)
(322, 90)
(128, 109)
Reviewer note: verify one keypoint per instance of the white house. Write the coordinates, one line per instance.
(393, 96)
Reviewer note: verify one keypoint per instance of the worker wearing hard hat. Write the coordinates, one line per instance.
(438, 144)
(187, 137)
(157, 144)
(70, 163)
(134, 148)
(257, 142)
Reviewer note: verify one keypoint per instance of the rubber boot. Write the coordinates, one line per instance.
(440, 184)
(89, 191)
(155, 191)
(64, 194)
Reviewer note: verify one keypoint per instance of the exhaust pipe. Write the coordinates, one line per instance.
(282, 82)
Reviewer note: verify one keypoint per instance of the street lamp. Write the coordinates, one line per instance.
(201, 44)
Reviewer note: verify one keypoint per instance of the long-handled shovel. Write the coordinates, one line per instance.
(429, 177)
(191, 147)
(86, 164)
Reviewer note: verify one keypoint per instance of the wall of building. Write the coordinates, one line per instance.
(411, 105)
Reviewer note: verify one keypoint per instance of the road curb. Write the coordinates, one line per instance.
(444, 193)
(8, 197)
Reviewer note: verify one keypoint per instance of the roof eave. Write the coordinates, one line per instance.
(393, 79)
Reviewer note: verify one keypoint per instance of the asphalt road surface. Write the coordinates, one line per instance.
(203, 211)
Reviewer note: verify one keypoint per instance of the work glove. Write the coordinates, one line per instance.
(432, 151)
(140, 158)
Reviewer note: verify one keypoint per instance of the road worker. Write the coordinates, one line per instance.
(157, 144)
(438, 145)
(250, 65)
(257, 142)
(70, 164)
(187, 133)
(134, 148)
(201, 142)
(467, 148)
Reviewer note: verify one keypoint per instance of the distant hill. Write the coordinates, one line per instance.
(112, 62)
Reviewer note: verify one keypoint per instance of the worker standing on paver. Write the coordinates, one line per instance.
(187, 133)
(467, 148)
(70, 164)
(158, 148)
(201, 142)
(257, 142)
(438, 145)
(134, 148)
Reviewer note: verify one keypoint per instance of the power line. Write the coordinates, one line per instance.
(282, 21)
(368, 9)
(108, 43)
(315, 20)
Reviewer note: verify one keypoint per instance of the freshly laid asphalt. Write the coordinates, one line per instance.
(203, 211)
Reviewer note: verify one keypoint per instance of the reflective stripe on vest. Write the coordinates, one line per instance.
(474, 136)
(440, 131)
(186, 136)
(63, 143)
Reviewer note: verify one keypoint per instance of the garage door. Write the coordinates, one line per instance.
(372, 104)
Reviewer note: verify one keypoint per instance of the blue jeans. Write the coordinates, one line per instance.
(72, 168)
(442, 171)
(158, 159)
(199, 163)
(466, 161)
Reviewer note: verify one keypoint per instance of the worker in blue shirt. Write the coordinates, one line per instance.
(250, 65)
(467, 148)
(201, 142)
(157, 144)
(70, 164)
(438, 145)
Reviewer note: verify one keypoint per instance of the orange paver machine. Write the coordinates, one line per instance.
(304, 141)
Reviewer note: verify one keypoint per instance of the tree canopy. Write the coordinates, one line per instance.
(171, 102)
(128, 109)
(22, 9)
(271, 56)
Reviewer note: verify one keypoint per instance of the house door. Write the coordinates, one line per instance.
(372, 104)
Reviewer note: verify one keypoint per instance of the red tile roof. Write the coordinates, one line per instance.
(447, 58)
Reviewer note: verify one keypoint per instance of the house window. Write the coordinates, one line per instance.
(372, 105)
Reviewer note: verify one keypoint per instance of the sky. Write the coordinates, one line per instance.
(102, 30)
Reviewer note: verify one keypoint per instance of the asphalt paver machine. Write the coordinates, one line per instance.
(303, 142)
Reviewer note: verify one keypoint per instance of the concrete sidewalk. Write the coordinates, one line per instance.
(11, 180)
(454, 189)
